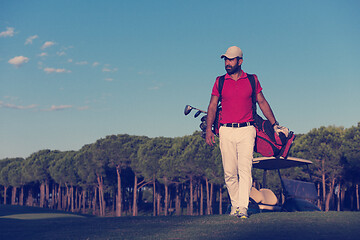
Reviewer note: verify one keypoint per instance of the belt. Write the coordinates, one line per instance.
(237, 125)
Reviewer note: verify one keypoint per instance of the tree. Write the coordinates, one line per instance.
(352, 158)
(64, 173)
(119, 149)
(16, 180)
(90, 169)
(4, 176)
(36, 169)
(147, 163)
(323, 147)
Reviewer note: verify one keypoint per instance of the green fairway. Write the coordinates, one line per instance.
(46, 224)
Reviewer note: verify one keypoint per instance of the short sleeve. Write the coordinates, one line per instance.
(215, 89)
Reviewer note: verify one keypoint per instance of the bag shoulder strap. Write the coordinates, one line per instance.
(221, 85)
(253, 95)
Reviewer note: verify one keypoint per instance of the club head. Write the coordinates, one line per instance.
(203, 119)
(197, 114)
(203, 126)
(187, 109)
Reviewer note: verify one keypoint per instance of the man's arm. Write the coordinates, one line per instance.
(265, 108)
(211, 114)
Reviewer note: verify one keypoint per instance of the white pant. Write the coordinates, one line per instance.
(237, 146)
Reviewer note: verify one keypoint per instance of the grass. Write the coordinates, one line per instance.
(37, 223)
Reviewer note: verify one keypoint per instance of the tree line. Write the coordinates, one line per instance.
(129, 175)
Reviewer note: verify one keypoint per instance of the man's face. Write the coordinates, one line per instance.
(232, 65)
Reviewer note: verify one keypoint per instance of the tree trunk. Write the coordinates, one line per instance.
(13, 196)
(42, 195)
(357, 197)
(135, 196)
(329, 195)
(53, 197)
(177, 201)
(338, 198)
(220, 200)
(102, 204)
(119, 193)
(201, 199)
(72, 199)
(154, 196)
(30, 199)
(342, 197)
(207, 197)
(323, 181)
(211, 197)
(5, 194)
(166, 199)
(83, 209)
(191, 197)
(94, 201)
(59, 197)
(158, 199)
(318, 200)
(47, 193)
(21, 197)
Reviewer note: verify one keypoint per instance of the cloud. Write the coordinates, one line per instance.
(58, 108)
(106, 69)
(56, 70)
(109, 79)
(47, 44)
(62, 53)
(19, 107)
(30, 39)
(95, 64)
(43, 54)
(18, 61)
(8, 33)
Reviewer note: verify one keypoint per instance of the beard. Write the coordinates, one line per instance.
(232, 69)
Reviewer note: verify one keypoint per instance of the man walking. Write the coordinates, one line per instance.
(237, 132)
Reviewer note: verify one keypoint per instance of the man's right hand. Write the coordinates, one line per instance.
(210, 137)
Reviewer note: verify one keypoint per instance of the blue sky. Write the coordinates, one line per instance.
(72, 72)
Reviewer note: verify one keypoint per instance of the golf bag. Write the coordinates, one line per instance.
(267, 142)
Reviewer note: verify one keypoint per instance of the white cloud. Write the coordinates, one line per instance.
(56, 70)
(106, 69)
(95, 64)
(58, 108)
(43, 54)
(47, 44)
(8, 33)
(14, 106)
(30, 39)
(109, 79)
(18, 61)
(70, 60)
(61, 53)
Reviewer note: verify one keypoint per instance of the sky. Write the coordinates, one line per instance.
(72, 72)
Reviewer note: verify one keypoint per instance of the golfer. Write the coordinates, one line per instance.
(237, 132)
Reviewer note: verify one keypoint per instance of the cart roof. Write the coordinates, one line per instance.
(271, 163)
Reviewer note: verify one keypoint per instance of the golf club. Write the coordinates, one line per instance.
(188, 109)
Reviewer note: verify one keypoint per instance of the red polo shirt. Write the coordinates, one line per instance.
(236, 98)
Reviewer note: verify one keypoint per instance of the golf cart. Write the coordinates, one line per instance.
(299, 195)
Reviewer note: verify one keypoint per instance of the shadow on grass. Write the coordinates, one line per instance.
(300, 225)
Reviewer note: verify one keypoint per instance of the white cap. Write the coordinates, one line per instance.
(233, 52)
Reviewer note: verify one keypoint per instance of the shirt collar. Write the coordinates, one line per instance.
(243, 75)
